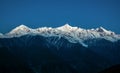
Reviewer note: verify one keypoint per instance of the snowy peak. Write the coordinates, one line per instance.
(22, 26)
(19, 29)
(73, 34)
(103, 30)
(67, 27)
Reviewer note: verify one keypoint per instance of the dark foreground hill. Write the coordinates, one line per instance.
(38, 54)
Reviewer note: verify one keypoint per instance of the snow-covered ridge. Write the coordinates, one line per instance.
(73, 34)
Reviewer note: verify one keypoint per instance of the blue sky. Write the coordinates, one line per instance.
(81, 13)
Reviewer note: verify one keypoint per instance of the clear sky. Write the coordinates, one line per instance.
(81, 13)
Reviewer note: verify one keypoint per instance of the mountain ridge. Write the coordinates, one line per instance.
(64, 49)
(72, 34)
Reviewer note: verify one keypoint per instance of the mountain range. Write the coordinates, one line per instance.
(64, 49)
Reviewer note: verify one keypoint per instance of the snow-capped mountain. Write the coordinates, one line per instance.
(64, 49)
(19, 31)
(73, 34)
